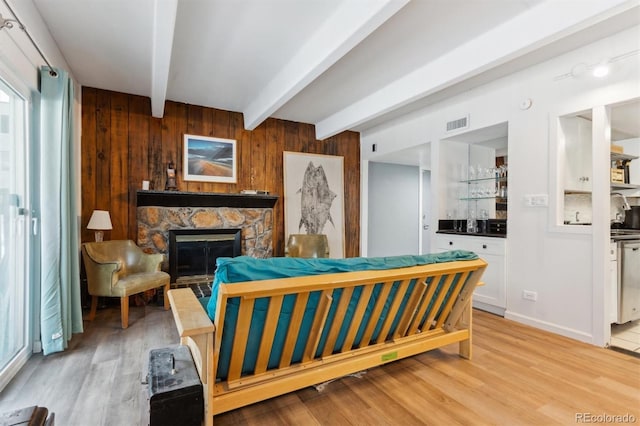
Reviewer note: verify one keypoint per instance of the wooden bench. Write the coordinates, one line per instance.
(334, 325)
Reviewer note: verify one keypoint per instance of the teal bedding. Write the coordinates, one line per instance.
(244, 268)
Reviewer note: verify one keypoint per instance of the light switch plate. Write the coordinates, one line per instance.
(536, 200)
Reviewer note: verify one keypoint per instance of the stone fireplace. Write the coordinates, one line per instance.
(159, 212)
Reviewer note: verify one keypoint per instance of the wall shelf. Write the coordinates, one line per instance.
(498, 199)
(619, 156)
(493, 179)
(617, 185)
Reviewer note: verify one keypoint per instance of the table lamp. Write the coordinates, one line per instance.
(100, 221)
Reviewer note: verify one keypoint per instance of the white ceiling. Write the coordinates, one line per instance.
(338, 64)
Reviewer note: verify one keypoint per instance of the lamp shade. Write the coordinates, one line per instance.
(100, 220)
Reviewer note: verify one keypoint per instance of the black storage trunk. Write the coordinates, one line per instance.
(175, 390)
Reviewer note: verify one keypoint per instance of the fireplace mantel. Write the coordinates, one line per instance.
(204, 199)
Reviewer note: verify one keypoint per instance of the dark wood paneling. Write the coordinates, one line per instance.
(139, 135)
(123, 145)
(119, 166)
(88, 154)
(155, 169)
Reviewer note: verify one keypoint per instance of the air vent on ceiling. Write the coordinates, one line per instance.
(460, 123)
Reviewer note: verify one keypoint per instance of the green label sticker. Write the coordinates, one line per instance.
(389, 356)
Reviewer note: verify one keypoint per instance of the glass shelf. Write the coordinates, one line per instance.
(490, 179)
(617, 185)
(620, 156)
(483, 198)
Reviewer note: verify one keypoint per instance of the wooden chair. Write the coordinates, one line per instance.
(120, 269)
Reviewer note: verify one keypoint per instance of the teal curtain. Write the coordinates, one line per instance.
(60, 305)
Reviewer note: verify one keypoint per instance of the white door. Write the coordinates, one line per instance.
(14, 235)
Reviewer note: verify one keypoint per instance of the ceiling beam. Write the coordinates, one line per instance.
(164, 21)
(349, 25)
(539, 26)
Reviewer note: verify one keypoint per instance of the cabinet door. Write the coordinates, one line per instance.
(493, 292)
(492, 296)
(577, 139)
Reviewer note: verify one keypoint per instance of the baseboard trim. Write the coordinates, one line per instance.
(488, 308)
(547, 326)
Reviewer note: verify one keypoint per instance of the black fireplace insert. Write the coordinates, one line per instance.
(193, 252)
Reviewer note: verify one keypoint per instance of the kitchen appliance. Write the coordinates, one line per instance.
(632, 218)
(628, 280)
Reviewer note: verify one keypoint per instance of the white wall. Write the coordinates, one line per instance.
(394, 209)
(553, 262)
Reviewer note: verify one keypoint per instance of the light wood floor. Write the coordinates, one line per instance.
(518, 375)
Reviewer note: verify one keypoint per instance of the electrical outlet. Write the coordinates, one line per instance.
(529, 295)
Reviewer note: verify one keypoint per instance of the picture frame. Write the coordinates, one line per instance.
(208, 159)
(315, 181)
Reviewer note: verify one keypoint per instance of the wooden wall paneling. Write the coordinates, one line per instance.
(156, 170)
(291, 137)
(88, 160)
(330, 146)
(207, 122)
(139, 134)
(170, 145)
(274, 179)
(194, 127)
(258, 157)
(243, 153)
(207, 130)
(122, 145)
(103, 154)
(222, 129)
(292, 143)
(348, 145)
(119, 181)
(307, 134)
(181, 129)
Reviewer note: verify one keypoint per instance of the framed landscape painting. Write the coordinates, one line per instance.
(314, 197)
(209, 159)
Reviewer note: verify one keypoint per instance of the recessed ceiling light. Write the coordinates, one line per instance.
(600, 70)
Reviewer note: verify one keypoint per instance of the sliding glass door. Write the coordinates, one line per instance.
(14, 234)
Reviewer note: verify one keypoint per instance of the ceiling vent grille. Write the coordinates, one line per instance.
(460, 123)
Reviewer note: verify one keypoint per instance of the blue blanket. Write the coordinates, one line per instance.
(244, 268)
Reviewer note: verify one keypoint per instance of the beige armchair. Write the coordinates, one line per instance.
(307, 245)
(120, 269)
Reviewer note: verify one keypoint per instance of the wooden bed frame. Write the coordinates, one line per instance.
(436, 312)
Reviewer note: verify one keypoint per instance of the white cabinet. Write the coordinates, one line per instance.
(578, 169)
(492, 296)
